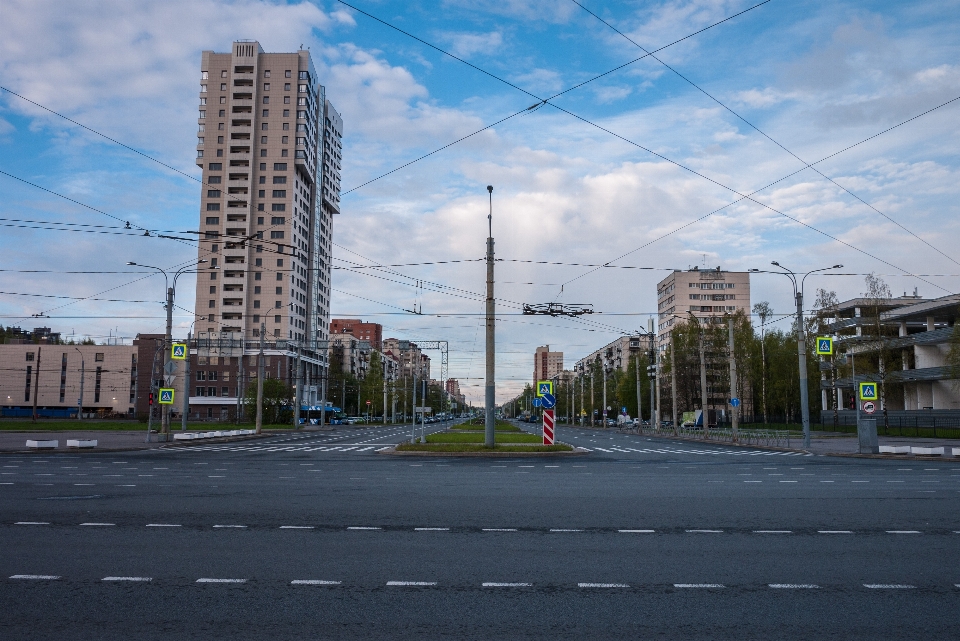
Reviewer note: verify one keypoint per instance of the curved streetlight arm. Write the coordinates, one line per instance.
(822, 269)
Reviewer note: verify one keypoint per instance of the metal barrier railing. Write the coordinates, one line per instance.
(769, 438)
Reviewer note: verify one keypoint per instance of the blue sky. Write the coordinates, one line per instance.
(815, 77)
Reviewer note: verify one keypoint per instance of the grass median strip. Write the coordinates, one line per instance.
(479, 447)
(478, 437)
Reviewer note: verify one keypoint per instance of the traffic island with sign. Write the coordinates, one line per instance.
(462, 441)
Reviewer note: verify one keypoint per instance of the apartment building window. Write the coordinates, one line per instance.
(215, 166)
(276, 234)
(266, 86)
(278, 207)
(219, 140)
(203, 101)
(279, 262)
(286, 100)
(300, 88)
(277, 304)
(211, 391)
(203, 114)
(262, 193)
(98, 357)
(256, 319)
(277, 166)
(213, 206)
(213, 289)
(213, 193)
(276, 319)
(223, 100)
(256, 276)
(266, 73)
(219, 153)
(223, 74)
(266, 100)
(284, 153)
(223, 86)
(212, 303)
(97, 383)
(256, 304)
(212, 375)
(201, 375)
(213, 180)
(204, 75)
(222, 113)
(279, 193)
(279, 180)
(31, 356)
(286, 74)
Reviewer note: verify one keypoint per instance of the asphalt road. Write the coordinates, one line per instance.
(320, 536)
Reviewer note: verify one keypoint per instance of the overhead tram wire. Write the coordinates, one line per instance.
(540, 101)
(763, 133)
(779, 180)
(646, 149)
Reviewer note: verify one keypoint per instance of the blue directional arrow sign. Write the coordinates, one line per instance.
(548, 401)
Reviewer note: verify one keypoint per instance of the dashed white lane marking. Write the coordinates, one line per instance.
(314, 582)
(602, 585)
(431, 529)
(889, 586)
(31, 523)
(296, 527)
(834, 531)
(35, 577)
(140, 579)
(507, 585)
(230, 526)
(903, 531)
(794, 586)
(411, 583)
(773, 532)
(602, 450)
(705, 531)
(563, 530)
(698, 585)
(499, 529)
(362, 527)
(637, 531)
(99, 524)
(164, 525)
(221, 580)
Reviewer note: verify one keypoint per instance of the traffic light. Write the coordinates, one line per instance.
(150, 399)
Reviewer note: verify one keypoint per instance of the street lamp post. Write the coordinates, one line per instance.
(490, 395)
(801, 340)
(168, 340)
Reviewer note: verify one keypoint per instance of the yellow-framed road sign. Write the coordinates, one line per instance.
(179, 351)
(824, 345)
(868, 391)
(166, 396)
(544, 387)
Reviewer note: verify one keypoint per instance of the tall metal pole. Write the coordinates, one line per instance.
(673, 387)
(734, 411)
(298, 382)
(491, 394)
(186, 387)
(703, 380)
(83, 367)
(384, 397)
(581, 395)
(413, 422)
(261, 372)
(802, 354)
(639, 401)
(165, 409)
(604, 409)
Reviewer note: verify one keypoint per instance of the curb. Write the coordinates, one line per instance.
(576, 451)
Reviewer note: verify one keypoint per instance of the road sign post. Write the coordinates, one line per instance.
(548, 423)
(824, 345)
(544, 387)
(868, 391)
(178, 352)
(166, 396)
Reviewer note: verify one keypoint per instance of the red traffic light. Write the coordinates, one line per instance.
(150, 399)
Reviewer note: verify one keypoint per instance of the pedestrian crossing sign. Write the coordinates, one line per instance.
(824, 345)
(178, 351)
(166, 396)
(544, 387)
(868, 391)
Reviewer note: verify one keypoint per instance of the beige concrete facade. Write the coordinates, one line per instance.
(708, 295)
(269, 144)
(546, 364)
(617, 354)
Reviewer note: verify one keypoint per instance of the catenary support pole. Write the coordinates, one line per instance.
(165, 409)
(261, 372)
(490, 397)
(298, 387)
(734, 411)
(673, 387)
(639, 399)
(703, 380)
(802, 355)
(185, 403)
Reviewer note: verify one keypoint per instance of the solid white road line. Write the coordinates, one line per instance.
(431, 529)
(507, 585)
(499, 529)
(361, 527)
(99, 524)
(705, 531)
(127, 578)
(313, 582)
(297, 527)
(221, 580)
(698, 585)
(772, 532)
(164, 525)
(637, 531)
(794, 586)
(231, 526)
(563, 530)
(35, 577)
(903, 531)
(602, 585)
(889, 586)
(834, 532)
(31, 523)
(411, 583)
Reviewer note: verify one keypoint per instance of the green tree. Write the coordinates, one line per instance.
(277, 401)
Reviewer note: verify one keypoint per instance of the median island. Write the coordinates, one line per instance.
(468, 438)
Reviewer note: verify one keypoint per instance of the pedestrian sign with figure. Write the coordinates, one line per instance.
(166, 396)
(544, 387)
(824, 345)
(868, 392)
(178, 351)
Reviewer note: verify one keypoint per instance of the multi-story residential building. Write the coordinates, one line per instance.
(546, 364)
(617, 354)
(269, 144)
(370, 332)
(412, 360)
(707, 294)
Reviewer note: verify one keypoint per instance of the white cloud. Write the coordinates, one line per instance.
(468, 44)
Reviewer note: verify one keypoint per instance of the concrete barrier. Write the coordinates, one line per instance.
(43, 445)
(894, 449)
(81, 443)
(927, 451)
(184, 436)
(956, 451)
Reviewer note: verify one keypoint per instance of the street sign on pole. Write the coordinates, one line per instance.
(537, 402)
(548, 401)
(869, 407)
(548, 422)
(170, 368)
(544, 387)
(824, 345)
(168, 379)
(166, 396)
(868, 391)
(735, 402)
(178, 351)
